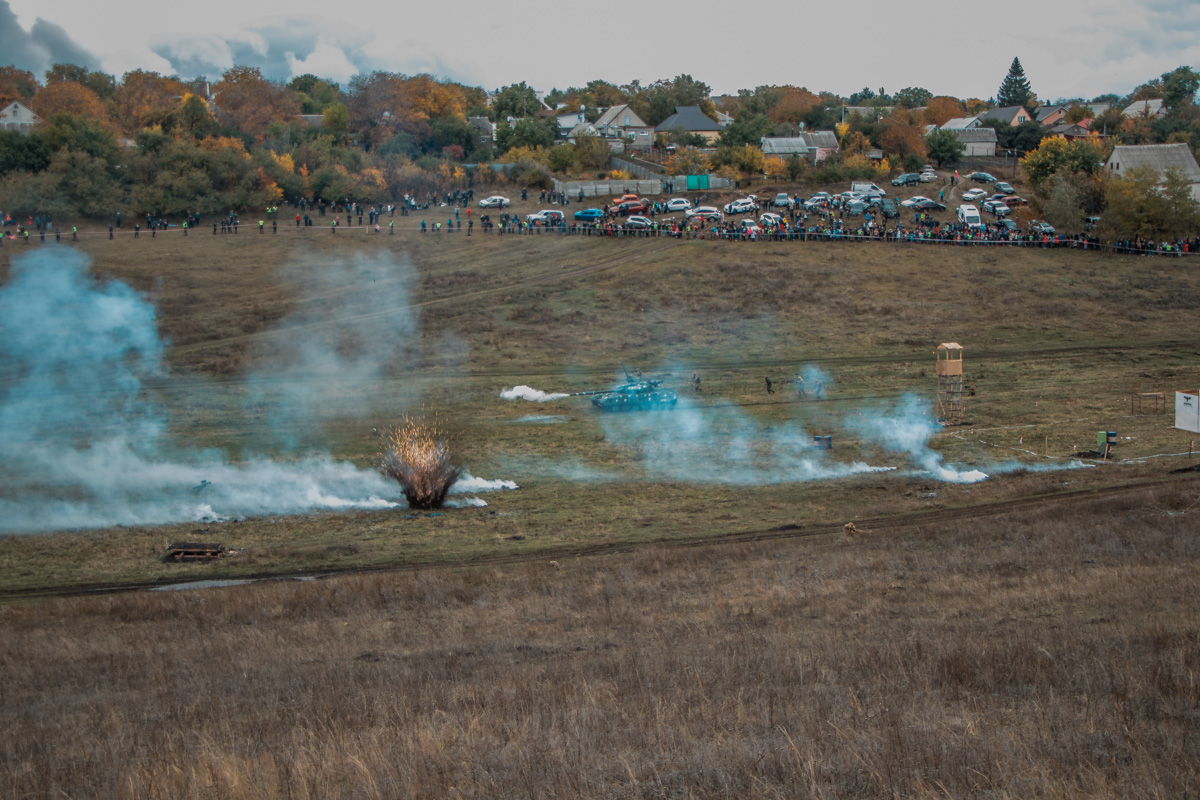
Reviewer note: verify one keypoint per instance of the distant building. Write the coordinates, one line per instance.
(487, 130)
(312, 120)
(622, 121)
(1160, 158)
(1048, 116)
(16, 117)
(690, 119)
(813, 146)
(1145, 108)
(1010, 115)
(958, 123)
(976, 141)
(1071, 130)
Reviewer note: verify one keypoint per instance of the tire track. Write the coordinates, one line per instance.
(886, 525)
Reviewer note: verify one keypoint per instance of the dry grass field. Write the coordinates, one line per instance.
(1028, 655)
(708, 630)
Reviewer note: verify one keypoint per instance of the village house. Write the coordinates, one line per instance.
(1010, 115)
(1158, 157)
(690, 119)
(16, 117)
(622, 121)
(976, 141)
(1145, 108)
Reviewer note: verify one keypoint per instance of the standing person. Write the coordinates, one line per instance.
(185, 227)
(770, 390)
(260, 227)
(695, 383)
(392, 226)
(74, 234)
(800, 385)
(274, 226)
(110, 232)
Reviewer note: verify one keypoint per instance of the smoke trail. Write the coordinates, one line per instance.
(469, 483)
(722, 446)
(82, 447)
(907, 428)
(530, 394)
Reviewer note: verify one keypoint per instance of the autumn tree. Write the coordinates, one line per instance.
(903, 140)
(1055, 154)
(69, 97)
(103, 84)
(248, 102)
(1141, 203)
(193, 116)
(688, 161)
(939, 110)
(656, 102)
(16, 85)
(147, 98)
(591, 152)
(794, 103)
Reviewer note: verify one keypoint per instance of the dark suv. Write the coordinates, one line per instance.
(982, 177)
(907, 179)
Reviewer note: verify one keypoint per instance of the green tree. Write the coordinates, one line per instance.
(1179, 88)
(913, 97)
(1015, 89)
(561, 157)
(81, 134)
(194, 117)
(944, 147)
(23, 153)
(336, 119)
(313, 94)
(688, 161)
(1062, 206)
(796, 167)
(1141, 203)
(591, 152)
(526, 132)
(747, 129)
(516, 101)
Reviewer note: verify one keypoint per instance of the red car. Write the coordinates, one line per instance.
(629, 207)
(1013, 200)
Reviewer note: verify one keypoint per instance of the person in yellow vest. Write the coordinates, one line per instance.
(74, 234)
(260, 226)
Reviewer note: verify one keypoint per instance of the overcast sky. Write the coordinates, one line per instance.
(1068, 47)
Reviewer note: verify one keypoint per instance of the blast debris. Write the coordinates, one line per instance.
(415, 454)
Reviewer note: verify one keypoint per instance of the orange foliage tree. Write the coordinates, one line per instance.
(249, 102)
(69, 97)
(795, 103)
(16, 85)
(383, 104)
(903, 140)
(147, 98)
(940, 109)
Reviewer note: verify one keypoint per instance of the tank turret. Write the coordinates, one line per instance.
(636, 394)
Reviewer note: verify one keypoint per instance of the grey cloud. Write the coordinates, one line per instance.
(40, 47)
(293, 47)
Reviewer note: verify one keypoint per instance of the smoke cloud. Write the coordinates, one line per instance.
(907, 428)
(82, 446)
(39, 48)
(330, 357)
(530, 394)
(722, 446)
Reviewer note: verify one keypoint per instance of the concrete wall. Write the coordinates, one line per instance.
(613, 189)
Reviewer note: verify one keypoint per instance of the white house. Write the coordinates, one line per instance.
(16, 117)
(1145, 108)
(1159, 157)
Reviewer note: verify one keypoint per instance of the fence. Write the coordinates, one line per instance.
(656, 186)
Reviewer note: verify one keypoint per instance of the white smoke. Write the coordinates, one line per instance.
(531, 394)
(723, 446)
(469, 483)
(907, 428)
(81, 446)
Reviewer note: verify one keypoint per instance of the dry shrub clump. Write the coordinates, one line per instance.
(416, 455)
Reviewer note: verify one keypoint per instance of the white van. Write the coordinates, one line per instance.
(866, 188)
(969, 215)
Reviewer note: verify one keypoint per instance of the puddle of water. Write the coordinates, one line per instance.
(218, 584)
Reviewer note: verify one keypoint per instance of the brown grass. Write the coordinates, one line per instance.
(1018, 657)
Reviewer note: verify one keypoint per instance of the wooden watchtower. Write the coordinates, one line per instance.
(950, 383)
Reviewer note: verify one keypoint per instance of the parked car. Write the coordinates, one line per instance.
(741, 206)
(1004, 188)
(625, 198)
(889, 209)
(629, 207)
(638, 222)
(1091, 222)
(1013, 200)
(866, 188)
(929, 205)
(589, 215)
(906, 179)
(769, 220)
(928, 177)
(973, 195)
(982, 177)
(969, 215)
(817, 200)
(495, 201)
(997, 207)
(912, 201)
(749, 226)
(783, 200)
(678, 204)
(1042, 227)
(856, 207)
(851, 196)
(545, 217)
(705, 213)
(1008, 225)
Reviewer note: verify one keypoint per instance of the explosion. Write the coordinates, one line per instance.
(416, 456)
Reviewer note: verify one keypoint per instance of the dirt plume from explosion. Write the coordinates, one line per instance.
(416, 456)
